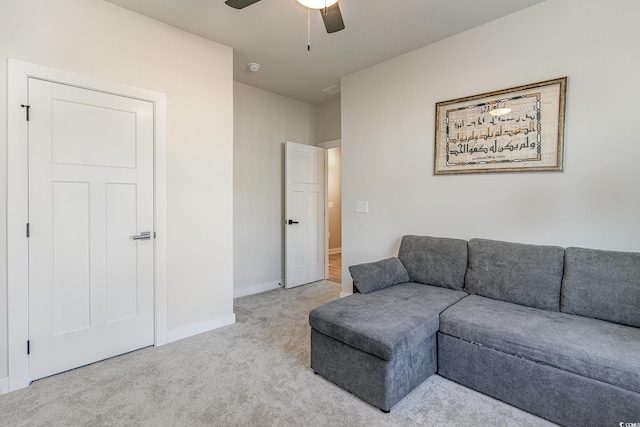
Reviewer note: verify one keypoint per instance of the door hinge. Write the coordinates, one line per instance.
(28, 347)
(27, 107)
(28, 231)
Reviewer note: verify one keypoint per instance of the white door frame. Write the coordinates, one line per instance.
(334, 143)
(18, 75)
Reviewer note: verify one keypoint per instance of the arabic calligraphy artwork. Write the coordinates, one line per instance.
(513, 130)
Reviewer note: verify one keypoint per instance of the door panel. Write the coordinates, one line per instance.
(90, 191)
(70, 255)
(93, 135)
(122, 283)
(304, 205)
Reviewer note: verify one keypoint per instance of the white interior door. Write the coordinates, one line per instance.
(304, 214)
(90, 193)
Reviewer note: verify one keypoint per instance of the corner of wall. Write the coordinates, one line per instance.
(328, 121)
(200, 328)
(256, 289)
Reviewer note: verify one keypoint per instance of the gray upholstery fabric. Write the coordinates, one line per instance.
(378, 275)
(434, 261)
(387, 322)
(509, 340)
(523, 274)
(379, 382)
(560, 396)
(603, 285)
(595, 349)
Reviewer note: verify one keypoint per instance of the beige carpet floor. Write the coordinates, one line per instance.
(253, 373)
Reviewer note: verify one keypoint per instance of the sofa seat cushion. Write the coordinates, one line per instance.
(386, 322)
(592, 348)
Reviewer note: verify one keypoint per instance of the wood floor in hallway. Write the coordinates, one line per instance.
(335, 268)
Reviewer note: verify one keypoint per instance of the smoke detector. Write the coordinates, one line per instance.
(254, 67)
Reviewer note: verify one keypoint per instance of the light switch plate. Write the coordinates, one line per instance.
(362, 207)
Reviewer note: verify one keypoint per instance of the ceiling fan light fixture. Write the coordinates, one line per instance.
(500, 111)
(317, 4)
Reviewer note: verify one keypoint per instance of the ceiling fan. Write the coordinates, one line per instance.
(329, 10)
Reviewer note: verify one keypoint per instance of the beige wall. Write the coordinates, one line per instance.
(98, 39)
(264, 121)
(334, 193)
(388, 136)
(328, 128)
(328, 122)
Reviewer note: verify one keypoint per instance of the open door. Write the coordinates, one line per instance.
(305, 251)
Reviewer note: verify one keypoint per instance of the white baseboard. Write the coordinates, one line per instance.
(256, 289)
(344, 294)
(4, 385)
(199, 328)
(335, 251)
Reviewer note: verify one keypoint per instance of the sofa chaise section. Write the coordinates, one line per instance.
(381, 345)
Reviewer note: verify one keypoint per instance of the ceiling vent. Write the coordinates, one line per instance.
(332, 90)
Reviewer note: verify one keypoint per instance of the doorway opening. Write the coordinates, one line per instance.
(334, 209)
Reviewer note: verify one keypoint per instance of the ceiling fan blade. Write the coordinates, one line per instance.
(332, 18)
(240, 4)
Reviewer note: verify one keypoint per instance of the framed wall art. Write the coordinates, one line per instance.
(512, 130)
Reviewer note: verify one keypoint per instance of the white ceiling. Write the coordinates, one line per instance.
(273, 33)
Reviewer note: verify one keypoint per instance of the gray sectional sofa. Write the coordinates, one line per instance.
(553, 331)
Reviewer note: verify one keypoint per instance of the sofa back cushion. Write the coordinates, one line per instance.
(434, 261)
(602, 285)
(529, 275)
(374, 276)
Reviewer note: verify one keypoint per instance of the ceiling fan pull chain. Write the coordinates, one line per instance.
(308, 30)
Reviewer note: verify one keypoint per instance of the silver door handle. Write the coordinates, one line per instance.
(146, 235)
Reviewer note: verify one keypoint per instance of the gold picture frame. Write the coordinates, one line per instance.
(512, 130)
